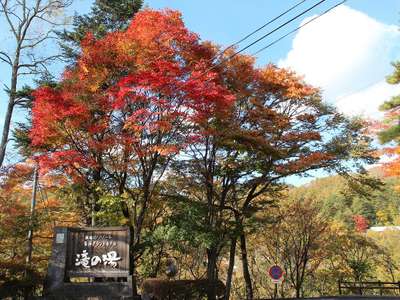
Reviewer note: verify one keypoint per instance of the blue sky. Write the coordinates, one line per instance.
(347, 53)
(225, 21)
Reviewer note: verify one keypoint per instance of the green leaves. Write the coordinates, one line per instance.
(391, 128)
(109, 213)
(187, 224)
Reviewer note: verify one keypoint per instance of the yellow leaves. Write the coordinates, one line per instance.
(165, 150)
(382, 217)
(338, 228)
(84, 68)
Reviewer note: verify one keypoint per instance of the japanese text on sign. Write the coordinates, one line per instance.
(83, 259)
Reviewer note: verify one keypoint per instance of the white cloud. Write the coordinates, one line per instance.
(343, 52)
(366, 101)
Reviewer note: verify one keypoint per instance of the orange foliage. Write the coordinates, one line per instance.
(15, 205)
(130, 96)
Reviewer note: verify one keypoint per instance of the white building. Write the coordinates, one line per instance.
(383, 228)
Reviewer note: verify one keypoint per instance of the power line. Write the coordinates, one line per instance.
(258, 29)
(349, 94)
(298, 28)
(269, 33)
(261, 38)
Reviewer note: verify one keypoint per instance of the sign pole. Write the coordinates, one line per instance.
(276, 273)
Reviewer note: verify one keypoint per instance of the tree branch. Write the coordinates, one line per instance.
(39, 41)
(36, 64)
(4, 4)
(6, 58)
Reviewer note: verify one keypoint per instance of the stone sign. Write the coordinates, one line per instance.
(101, 253)
(98, 252)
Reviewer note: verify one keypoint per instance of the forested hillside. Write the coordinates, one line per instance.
(380, 206)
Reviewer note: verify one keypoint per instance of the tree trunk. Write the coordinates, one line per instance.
(298, 292)
(6, 130)
(132, 262)
(10, 109)
(211, 272)
(133, 272)
(245, 265)
(229, 276)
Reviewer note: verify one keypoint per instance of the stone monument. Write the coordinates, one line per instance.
(89, 263)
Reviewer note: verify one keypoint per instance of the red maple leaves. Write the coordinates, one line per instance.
(361, 223)
(152, 90)
(132, 94)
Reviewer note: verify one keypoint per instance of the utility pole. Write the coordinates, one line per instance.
(32, 215)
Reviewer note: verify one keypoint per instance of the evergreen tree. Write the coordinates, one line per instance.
(105, 16)
(392, 131)
(390, 127)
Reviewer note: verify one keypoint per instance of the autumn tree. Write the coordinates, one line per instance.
(298, 241)
(23, 19)
(138, 99)
(104, 17)
(388, 268)
(18, 278)
(14, 220)
(278, 127)
(360, 223)
(353, 256)
(131, 104)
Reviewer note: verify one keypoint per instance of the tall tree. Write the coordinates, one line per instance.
(105, 16)
(390, 126)
(354, 256)
(129, 105)
(278, 127)
(24, 18)
(298, 241)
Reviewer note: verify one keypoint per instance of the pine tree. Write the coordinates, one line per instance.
(105, 16)
(390, 126)
(391, 131)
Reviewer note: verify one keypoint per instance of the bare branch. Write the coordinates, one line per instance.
(6, 58)
(25, 26)
(50, 22)
(37, 66)
(11, 12)
(38, 41)
(4, 5)
(20, 15)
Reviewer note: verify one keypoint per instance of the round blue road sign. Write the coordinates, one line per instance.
(276, 273)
